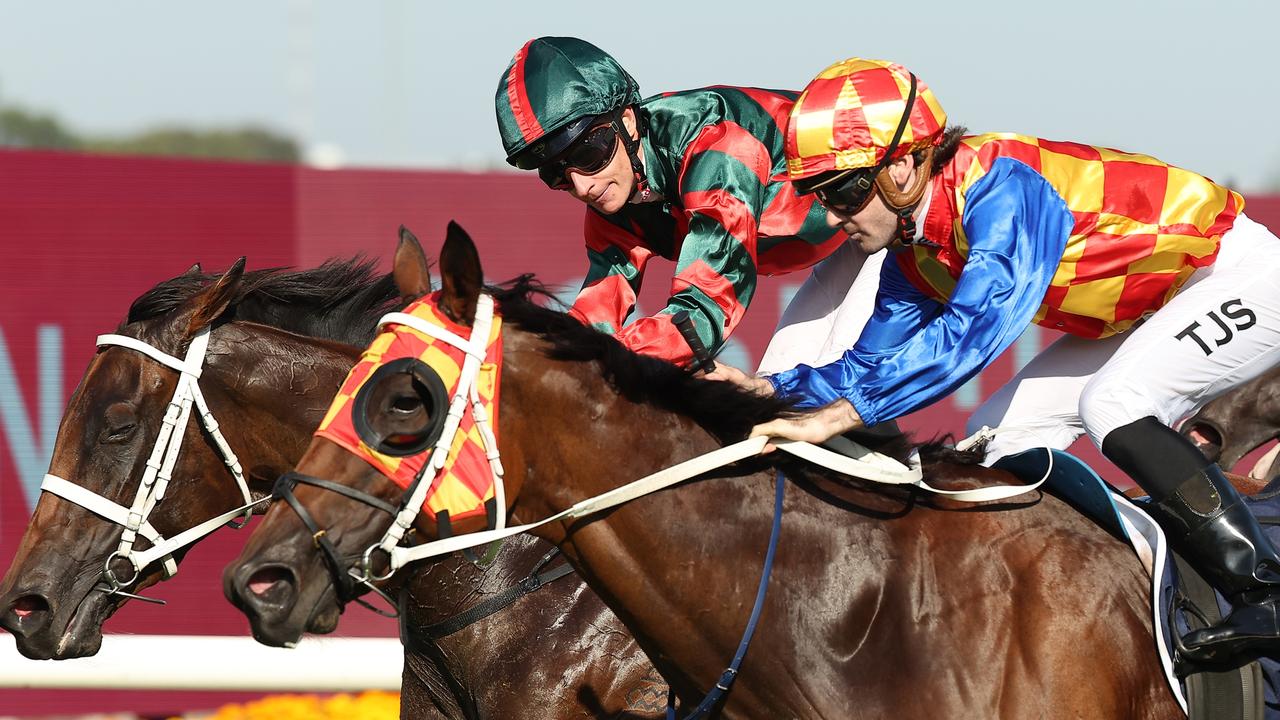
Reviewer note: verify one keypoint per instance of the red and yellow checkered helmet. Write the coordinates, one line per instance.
(848, 115)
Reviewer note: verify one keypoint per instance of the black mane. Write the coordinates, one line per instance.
(339, 300)
(722, 408)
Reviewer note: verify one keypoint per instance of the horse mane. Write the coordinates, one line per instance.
(339, 300)
(723, 409)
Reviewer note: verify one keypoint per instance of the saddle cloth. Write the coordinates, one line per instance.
(1072, 480)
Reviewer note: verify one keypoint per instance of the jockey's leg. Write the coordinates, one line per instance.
(1040, 406)
(827, 314)
(1219, 332)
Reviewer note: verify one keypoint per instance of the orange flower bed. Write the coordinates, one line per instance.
(369, 705)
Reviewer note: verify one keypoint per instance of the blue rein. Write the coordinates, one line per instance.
(731, 672)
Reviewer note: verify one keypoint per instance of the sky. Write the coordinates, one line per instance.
(397, 83)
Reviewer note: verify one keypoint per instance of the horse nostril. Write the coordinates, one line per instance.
(272, 583)
(1206, 438)
(28, 605)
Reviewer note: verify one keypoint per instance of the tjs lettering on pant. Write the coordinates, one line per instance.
(1211, 336)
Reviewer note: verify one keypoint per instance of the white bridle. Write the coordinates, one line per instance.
(159, 470)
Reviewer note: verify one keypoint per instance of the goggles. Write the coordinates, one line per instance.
(850, 194)
(588, 154)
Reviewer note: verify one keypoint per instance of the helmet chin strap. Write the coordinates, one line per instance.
(632, 146)
(905, 201)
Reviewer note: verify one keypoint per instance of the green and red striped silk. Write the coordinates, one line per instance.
(712, 155)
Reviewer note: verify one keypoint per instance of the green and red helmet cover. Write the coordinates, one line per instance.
(550, 83)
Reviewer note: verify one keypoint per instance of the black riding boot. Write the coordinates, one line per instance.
(1209, 525)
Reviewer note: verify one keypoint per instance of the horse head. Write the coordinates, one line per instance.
(292, 576)
(135, 448)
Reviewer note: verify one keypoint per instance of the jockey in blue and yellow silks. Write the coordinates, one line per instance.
(1165, 292)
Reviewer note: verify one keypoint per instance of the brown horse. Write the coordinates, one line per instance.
(52, 597)
(883, 603)
(1238, 422)
(281, 344)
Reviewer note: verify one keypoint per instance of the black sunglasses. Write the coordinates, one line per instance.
(588, 154)
(850, 195)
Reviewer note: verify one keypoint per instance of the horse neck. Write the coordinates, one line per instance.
(439, 670)
(439, 591)
(568, 435)
(269, 389)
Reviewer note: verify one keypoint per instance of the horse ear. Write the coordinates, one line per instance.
(194, 270)
(461, 275)
(411, 271)
(209, 304)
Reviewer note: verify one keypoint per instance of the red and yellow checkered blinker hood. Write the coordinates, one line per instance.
(847, 116)
(465, 483)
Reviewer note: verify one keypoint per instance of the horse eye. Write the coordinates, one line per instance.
(406, 404)
(120, 432)
(119, 422)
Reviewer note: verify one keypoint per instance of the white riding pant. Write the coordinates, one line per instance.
(1221, 330)
(827, 314)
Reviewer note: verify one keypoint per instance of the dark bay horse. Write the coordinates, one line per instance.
(883, 603)
(268, 392)
(282, 343)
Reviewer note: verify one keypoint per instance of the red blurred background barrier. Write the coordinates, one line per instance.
(82, 236)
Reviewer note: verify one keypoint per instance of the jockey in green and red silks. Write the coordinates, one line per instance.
(687, 176)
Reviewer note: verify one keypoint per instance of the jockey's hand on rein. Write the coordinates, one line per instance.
(814, 426)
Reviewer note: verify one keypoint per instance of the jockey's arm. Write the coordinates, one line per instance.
(1017, 227)
(617, 255)
(722, 197)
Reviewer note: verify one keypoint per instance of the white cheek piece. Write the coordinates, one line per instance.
(159, 470)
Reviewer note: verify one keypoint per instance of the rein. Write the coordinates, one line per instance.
(159, 471)
(839, 454)
(852, 459)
